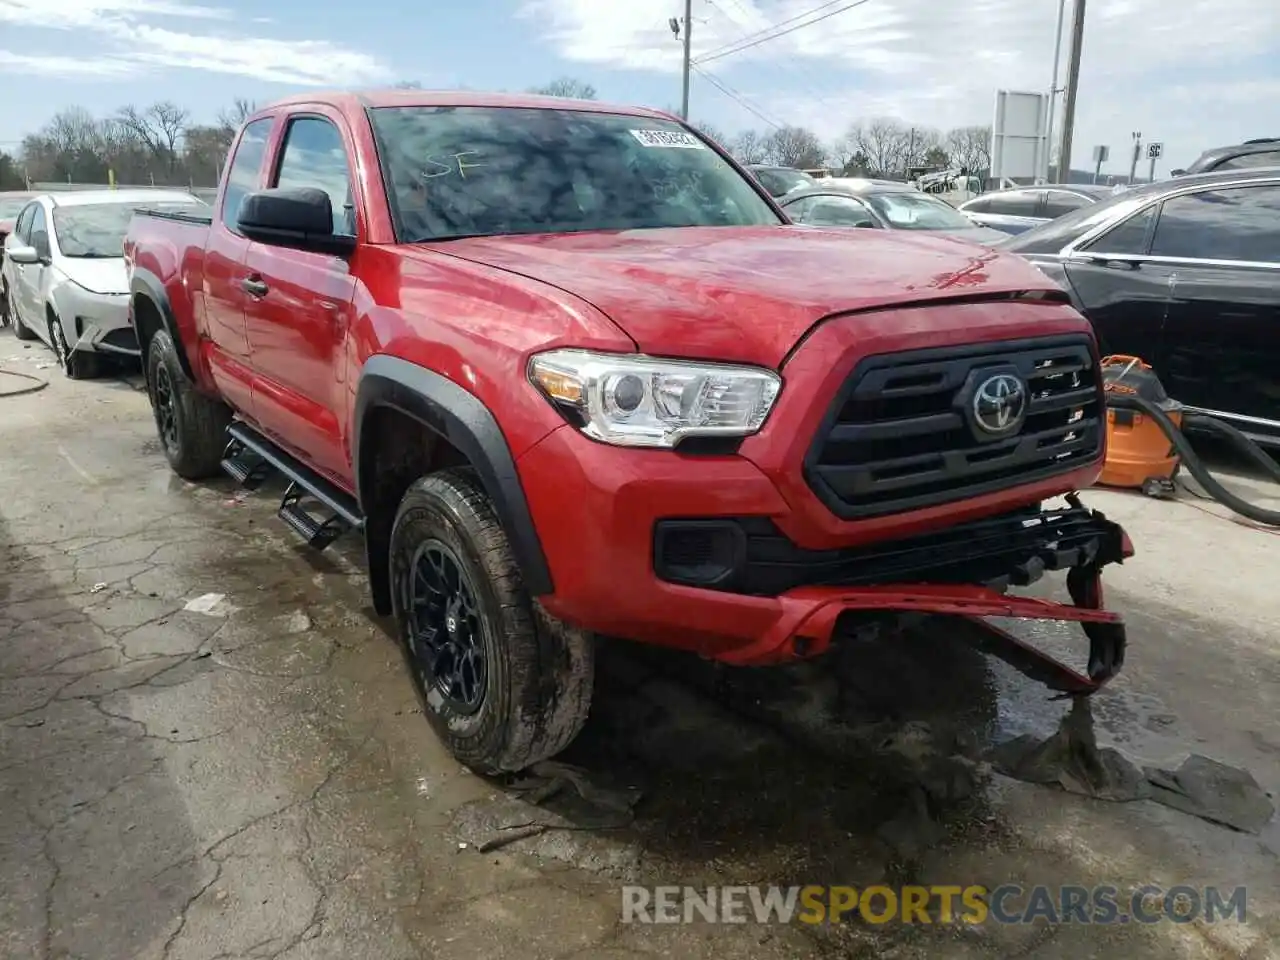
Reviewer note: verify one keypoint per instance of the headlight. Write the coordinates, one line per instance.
(637, 401)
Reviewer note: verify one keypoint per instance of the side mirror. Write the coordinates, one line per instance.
(21, 253)
(301, 218)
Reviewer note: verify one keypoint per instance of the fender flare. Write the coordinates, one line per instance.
(459, 417)
(144, 283)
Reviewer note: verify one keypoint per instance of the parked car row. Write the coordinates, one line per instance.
(881, 205)
(63, 277)
(1184, 273)
(1017, 210)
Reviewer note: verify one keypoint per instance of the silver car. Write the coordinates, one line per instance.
(883, 205)
(1016, 211)
(64, 278)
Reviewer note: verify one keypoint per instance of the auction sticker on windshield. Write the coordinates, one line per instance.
(668, 138)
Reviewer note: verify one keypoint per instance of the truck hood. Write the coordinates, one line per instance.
(748, 294)
(99, 275)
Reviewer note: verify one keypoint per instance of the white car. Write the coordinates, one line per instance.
(64, 278)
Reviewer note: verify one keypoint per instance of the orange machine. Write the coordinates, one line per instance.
(1139, 455)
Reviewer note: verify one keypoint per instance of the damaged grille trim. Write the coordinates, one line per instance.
(758, 559)
(897, 437)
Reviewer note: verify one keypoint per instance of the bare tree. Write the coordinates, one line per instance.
(883, 141)
(233, 116)
(158, 129)
(711, 133)
(749, 147)
(970, 147)
(566, 87)
(795, 147)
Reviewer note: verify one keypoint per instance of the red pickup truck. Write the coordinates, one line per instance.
(571, 372)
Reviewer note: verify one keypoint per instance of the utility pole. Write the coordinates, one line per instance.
(1053, 95)
(1137, 150)
(688, 62)
(1073, 82)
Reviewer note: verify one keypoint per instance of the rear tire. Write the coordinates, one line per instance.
(19, 331)
(192, 427)
(502, 683)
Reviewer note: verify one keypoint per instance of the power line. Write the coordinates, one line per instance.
(780, 33)
(796, 71)
(733, 95)
(774, 26)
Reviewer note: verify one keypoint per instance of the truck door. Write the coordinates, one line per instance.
(1222, 338)
(227, 344)
(299, 306)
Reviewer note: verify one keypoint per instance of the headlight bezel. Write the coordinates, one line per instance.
(584, 386)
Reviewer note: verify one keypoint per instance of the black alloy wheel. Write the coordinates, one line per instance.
(446, 631)
(163, 401)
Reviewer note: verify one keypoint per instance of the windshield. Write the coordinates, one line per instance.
(490, 171)
(782, 182)
(10, 207)
(97, 230)
(918, 211)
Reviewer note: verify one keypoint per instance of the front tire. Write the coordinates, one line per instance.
(76, 364)
(502, 683)
(192, 427)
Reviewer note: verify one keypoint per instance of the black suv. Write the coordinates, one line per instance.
(1263, 152)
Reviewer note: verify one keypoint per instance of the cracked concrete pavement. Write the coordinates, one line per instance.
(257, 781)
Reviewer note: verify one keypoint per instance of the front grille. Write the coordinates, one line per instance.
(1013, 549)
(903, 433)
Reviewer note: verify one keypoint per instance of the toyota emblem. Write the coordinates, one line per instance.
(999, 404)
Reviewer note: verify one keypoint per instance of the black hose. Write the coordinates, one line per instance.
(1194, 464)
(38, 384)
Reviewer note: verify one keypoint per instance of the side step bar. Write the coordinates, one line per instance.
(251, 458)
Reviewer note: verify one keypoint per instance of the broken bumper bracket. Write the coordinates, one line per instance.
(817, 611)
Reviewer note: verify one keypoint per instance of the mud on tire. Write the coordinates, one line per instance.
(537, 675)
(192, 427)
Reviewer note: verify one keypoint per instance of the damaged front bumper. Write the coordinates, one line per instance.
(816, 616)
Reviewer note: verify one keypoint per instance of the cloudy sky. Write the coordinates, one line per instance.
(1190, 73)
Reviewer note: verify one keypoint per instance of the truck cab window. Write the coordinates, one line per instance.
(242, 178)
(314, 156)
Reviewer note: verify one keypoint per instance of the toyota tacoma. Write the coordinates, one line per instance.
(570, 372)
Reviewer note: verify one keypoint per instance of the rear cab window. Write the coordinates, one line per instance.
(490, 171)
(246, 169)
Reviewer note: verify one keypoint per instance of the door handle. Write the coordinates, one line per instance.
(255, 286)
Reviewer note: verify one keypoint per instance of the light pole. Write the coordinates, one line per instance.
(1073, 82)
(688, 62)
(1137, 149)
(1053, 92)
